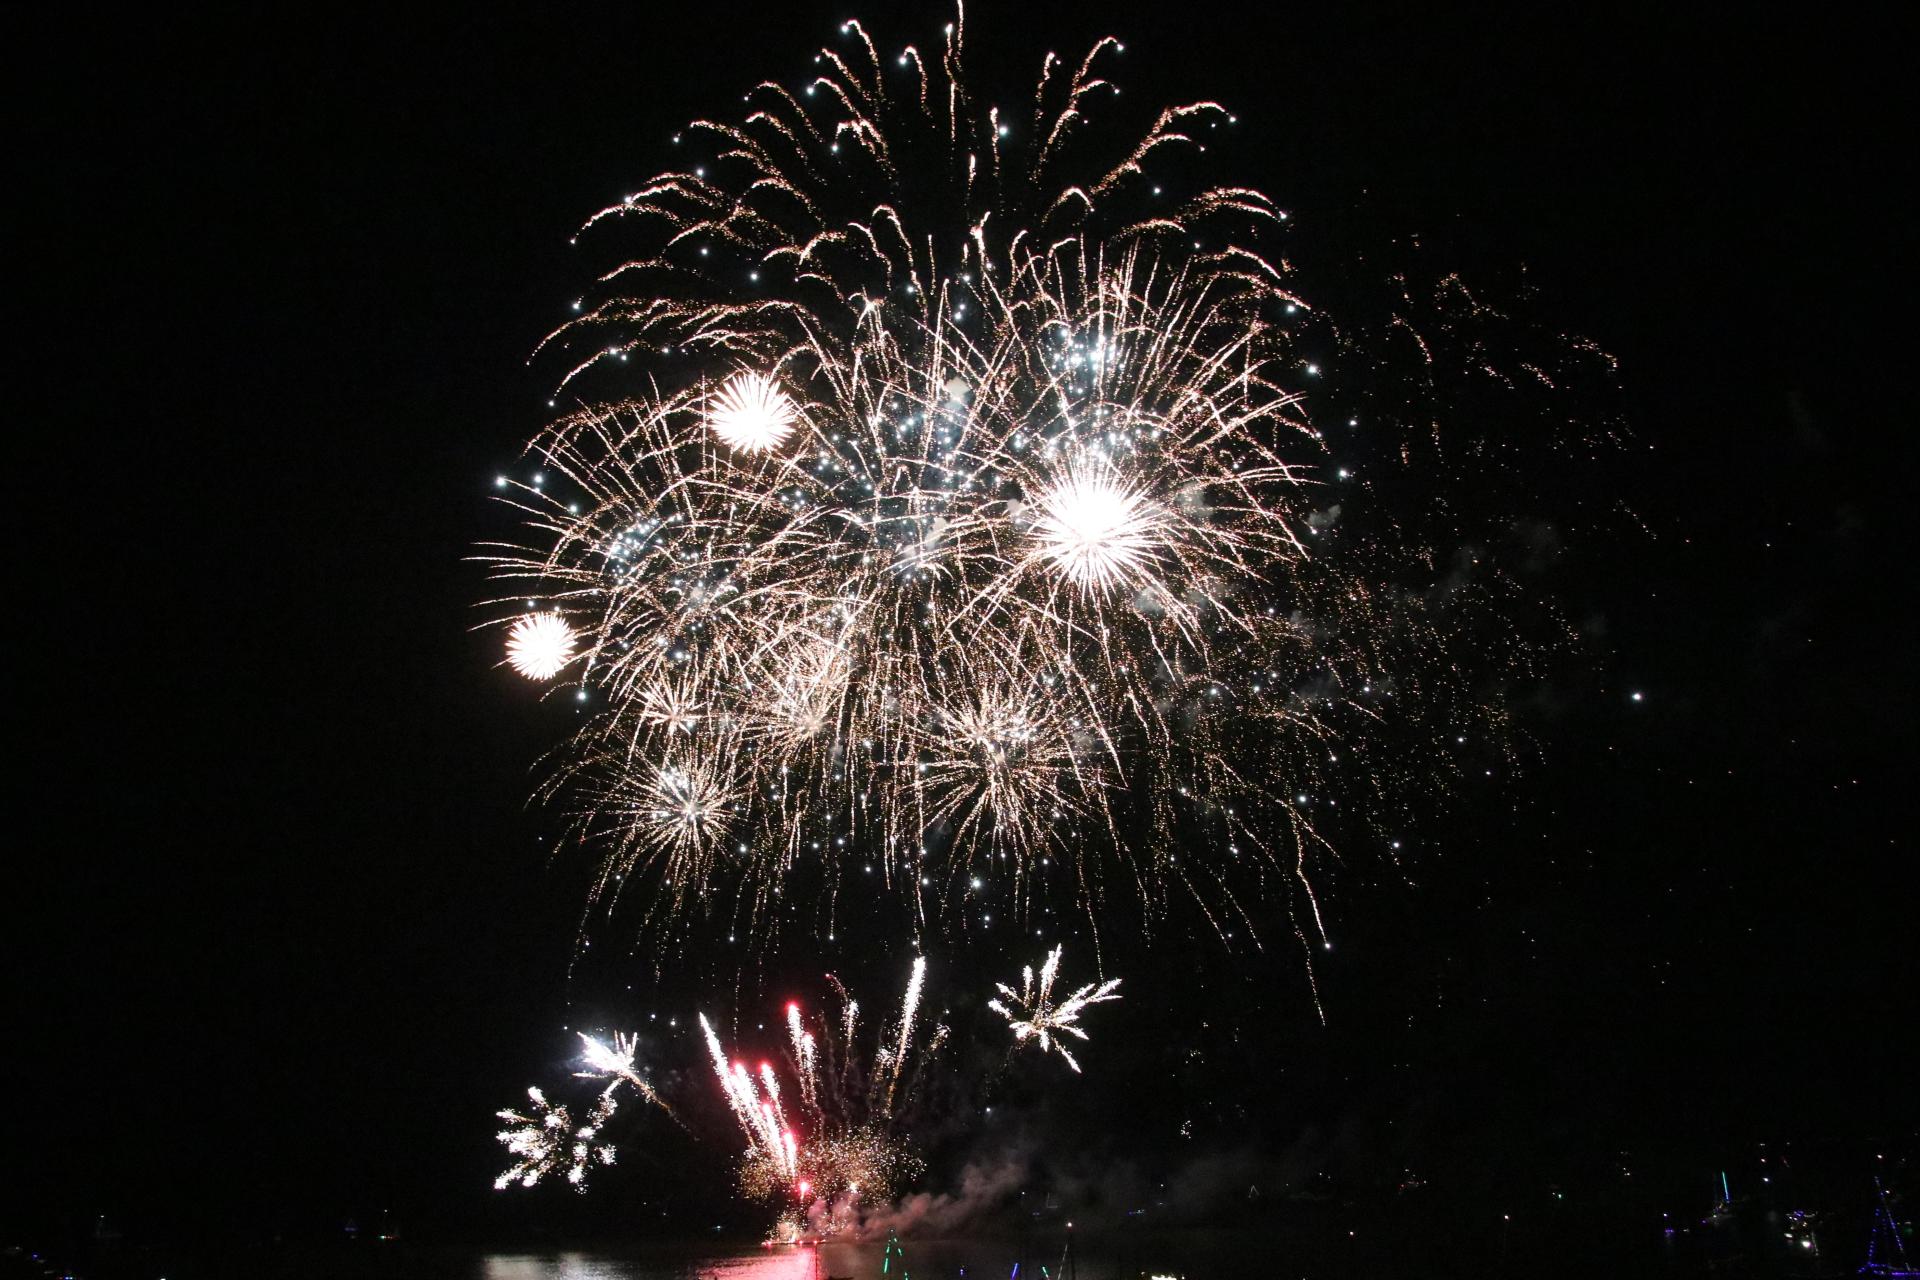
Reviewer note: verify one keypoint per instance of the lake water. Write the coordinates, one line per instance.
(925, 1260)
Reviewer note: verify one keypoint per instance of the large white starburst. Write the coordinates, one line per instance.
(540, 644)
(1096, 530)
(751, 414)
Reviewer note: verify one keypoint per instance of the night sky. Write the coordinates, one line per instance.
(281, 931)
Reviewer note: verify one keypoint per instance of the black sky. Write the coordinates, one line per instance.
(281, 931)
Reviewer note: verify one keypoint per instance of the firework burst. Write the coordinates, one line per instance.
(545, 1141)
(964, 528)
(540, 645)
(1034, 1014)
(614, 1063)
(751, 414)
(1098, 533)
(846, 1134)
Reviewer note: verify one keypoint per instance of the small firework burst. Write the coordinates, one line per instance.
(751, 414)
(1039, 1017)
(688, 805)
(545, 1142)
(670, 814)
(672, 705)
(615, 1063)
(540, 644)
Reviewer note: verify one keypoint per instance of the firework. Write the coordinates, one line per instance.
(805, 1056)
(1099, 533)
(909, 1006)
(847, 1137)
(539, 645)
(751, 414)
(614, 1063)
(1039, 1017)
(939, 490)
(547, 1142)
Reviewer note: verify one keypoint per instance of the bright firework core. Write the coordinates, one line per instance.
(539, 645)
(751, 414)
(1097, 532)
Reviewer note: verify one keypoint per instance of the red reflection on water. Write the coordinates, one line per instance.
(780, 1262)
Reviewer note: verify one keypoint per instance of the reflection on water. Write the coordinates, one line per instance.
(928, 1260)
(760, 1264)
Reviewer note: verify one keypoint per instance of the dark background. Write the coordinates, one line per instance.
(281, 932)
